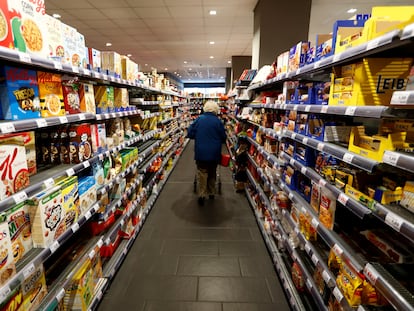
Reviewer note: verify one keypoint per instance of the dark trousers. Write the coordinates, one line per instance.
(206, 178)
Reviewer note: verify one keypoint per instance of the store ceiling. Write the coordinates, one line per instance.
(176, 34)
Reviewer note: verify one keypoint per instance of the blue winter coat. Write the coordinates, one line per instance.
(209, 134)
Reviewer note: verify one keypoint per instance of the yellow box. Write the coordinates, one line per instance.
(70, 195)
(344, 84)
(80, 294)
(359, 196)
(374, 81)
(373, 147)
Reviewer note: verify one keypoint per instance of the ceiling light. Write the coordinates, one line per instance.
(351, 11)
(211, 57)
(190, 68)
(212, 12)
(129, 55)
(185, 62)
(56, 15)
(108, 44)
(146, 65)
(165, 68)
(212, 42)
(229, 62)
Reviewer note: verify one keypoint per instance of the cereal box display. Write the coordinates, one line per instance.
(70, 88)
(19, 227)
(70, 46)
(51, 95)
(13, 170)
(34, 289)
(80, 143)
(98, 138)
(47, 217)
(111, 61)
(70, 196)
(94, 58)
(6, 35)
(7, 265)
(104, 98)
(87, 193)
(81, 50)
(54, 37)
(87, 98)
(19, 93)
(121, 99)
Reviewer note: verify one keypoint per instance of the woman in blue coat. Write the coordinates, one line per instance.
(208, 134)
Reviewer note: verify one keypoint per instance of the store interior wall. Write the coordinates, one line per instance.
(238, 64)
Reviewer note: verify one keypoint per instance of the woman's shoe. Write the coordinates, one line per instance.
(201, 201)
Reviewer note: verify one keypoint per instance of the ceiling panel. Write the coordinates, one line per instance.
(152, 12)
(145, 3)
(109, 3)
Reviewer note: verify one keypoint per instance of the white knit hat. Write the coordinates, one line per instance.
(211, 106)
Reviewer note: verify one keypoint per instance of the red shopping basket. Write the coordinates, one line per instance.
(225, 159)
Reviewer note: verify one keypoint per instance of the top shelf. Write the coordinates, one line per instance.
(396, 42)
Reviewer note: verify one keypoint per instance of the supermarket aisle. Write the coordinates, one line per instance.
(189, 257)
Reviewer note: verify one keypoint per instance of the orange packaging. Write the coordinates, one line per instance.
(51, 95)
(6, 33)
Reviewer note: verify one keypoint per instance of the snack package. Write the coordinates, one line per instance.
(54, 146)
(54, 37)
(327, 209)
(98, 136)
(87, 193)
(87, 98)
(80, 146)
(315, 198)
(19, 93)
(51, 95)
(18, 220)
(34, 289)
(7, 267)
(70, 196)
(297, 277)
(70, 87)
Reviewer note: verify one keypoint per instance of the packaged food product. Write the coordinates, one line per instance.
(13, 170)
(98, 173)
(80, 148)
(352, 294)
(69, 35)
(95, 58)
(51, 95)
(7, 265)
(297, 277)
(104, 98)
(64, 145)
(54, 37)
(54, 146)
(87, 193)
(34, 289)
(70, 87)
(70, 196)
(6, 34)
(19, 227)
(121, 99)
(19, 93)
(315, 196)
(14, 300)
(87, 97)
(47, 217)
(327, 209)
(98, 136)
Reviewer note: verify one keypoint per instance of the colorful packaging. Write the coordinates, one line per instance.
(6, 33)
(54, 146)
(13, 170)
(19, 93)
(54, 37)
(94, 58)
(87, 193)
(14, 300)
(111, 61)
(51, 95)
(19, 227)
(80, 50)
(7, 265)
(98, 132)
(47, 217)
(121, 99)
(70, 87)
(70, 195)
(64, 145)
(69, 35)
(104, 99)
(87, 98)
(34, 289)
(80, 148)
(327, 209)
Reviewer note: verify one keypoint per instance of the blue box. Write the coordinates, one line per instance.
(19, 93)
(305, 154)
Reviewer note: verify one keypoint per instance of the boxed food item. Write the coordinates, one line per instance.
(104, 98)
(121, 99)
(51, 95)
(81, 51)
(34, 289)
(69, 35)
(6, 33)
(13, 170)
(64, 144)
(70, 198)
(111, 61)
(19, 227)
(98, 173)
(407, 200)
(14, 300)
(54, 146)
(94, 58)
(323, 46)
(70, 87)
(297, 55)
(327, 208)
(87, 97)
(19, 93)
(98, 135)
(47, 217)
(87, 193)
(7, 266)
(54, 37)
(80, 148)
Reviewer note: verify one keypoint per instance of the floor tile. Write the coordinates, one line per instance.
(177, 233)
(155, 265)
(276, 292)
(208, 266)
(252, 307)
(196, 248)
(182, 306)
(239, 248)
(224, 234)
(256, 266)
(231, 289)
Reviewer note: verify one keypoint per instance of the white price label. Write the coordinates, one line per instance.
(322, 182)
(338, 295)
(303, 210)
(5, 292)
(390, 158)
(24, 57)
(105, 77)
(348, 157)
(343, 198)
(305, 141)
(86, 164)
(293, 136)
(63, 120)
(336, 57)
(295, 107)
(307, 108)
(315, 223)
(317, 64)
(50, 182)
(96, 74)
(100, 156)
(60, 294)
(100, 243)
(350, 111)
(57, 65)
(70, 172)
(125, 251)
(324, 109)
(112, 78)
(292, 162)
(373, 44)
(320, 146)
(88, 215)
(309, 284)
(41, 123)
(394, 221)
(314, 259)
(400, 97)
(75, 69)
(86, 72)
(325, 276)
(307, 247)
(74, 227)
(298, 71)
(107, 153)
(291, 196)
(337, 249)
(7, 127)
(303, 170)
(55, 245)
(371, 274)
(82, 117)
(92, 254)
(28, 270)
(122, 223)
(20, 197)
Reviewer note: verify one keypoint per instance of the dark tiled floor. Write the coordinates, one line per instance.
(187, 257)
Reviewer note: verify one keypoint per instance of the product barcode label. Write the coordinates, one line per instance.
(303, 170)
(295, 107)
(105, 77)
(63, 120)
(82, 117)
(27, 271)
(317, 64)
(315, 223)
(86, 164)
(337, 293)
(322, 182)
(86, 72)
(343, 198)
(394, 221)
(75, 69)
(70, 172)
(371, 273)
(20, 197)
(92, 254)
(314, 259)
(41, 123)
(291, 195)
(55, 245)
(305, 140)
(293, 136)
(112, 78)
(122, 223)
(57, 65)
(88, 215)
(336, 57)
(96, 74)
(402, 97)
(350, 111)
(390, 158)
(309, 284)
(348, 157)
(325, 276)
(75, 227)
(373, 44)
(307, 108)
(292, 162)
(324, 109)
(307, 247)
(7, 127)
(25, 57)
(49, 182)
(100, 243)
(320, 146)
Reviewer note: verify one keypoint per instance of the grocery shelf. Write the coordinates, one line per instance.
(112, 115)
(338, 152)
(100, 289)
(398, 159)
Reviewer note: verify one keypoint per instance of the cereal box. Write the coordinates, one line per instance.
(34, 289)
(94, 58)
(111, 61)
(54, 37)
(70, 45)
(80, 47)
(70, 88)
(47, 217)
(70, 196)
(51, 95)
(7, 265)
(104, 98)
(87, 98)
(121, 99)
(6, 34)
(64, 145)
(13, 170)
(29, 31)
(80, 143)
(13, 301)
(87, 193)
(19, 93)
(98, 138)
(19, 227)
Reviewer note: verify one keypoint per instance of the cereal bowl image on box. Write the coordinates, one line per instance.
(32, 35)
